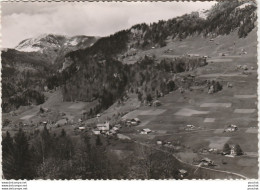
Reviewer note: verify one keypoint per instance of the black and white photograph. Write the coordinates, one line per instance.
(129, 90)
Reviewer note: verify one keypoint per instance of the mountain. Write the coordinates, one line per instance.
(54, 46)
(130, 47)
(106, 69)
(26, 67)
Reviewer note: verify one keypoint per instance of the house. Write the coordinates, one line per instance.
(103, 126)
(135, 121)
(145, 131)
(82, 128)
(115, 128)
(159, 142)
(61, 122)
(231, 128)
(244, 67)
(229, 85)
(96, 132)
(190, 127)
(46, 88)
(157, 103)
(98, 115)
(44, 123)
(182, 173)
(206, 162)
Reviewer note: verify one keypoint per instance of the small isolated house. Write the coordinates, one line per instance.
(159, 142)
(96, 132)
(182, 173)
(145, 131)
(82, 128)
(157, 103)
(190, 127)
(135, 121)
(207, 162)
(61, 122)
(244, 67)
(193, 55)
(103, 126)
(231, 128)
(229, 85)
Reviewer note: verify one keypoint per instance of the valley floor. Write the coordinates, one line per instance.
(209, 113)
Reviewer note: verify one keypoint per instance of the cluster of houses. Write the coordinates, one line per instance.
(106, 129)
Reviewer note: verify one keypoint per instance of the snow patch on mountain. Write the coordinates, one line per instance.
(29, 49)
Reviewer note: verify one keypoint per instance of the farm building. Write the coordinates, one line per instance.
(103, 126)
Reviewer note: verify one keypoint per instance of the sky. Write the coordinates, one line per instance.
(22, 20)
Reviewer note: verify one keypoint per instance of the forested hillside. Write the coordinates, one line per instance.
(96, 73)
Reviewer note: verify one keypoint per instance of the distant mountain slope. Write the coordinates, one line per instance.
(33, 61)
(223, 19)
(88, 68)
(55, 46)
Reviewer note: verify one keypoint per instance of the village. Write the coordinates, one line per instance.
(158, 125)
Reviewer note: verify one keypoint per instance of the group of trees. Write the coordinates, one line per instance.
(24, 75)
(223, 18)
(237, 149)
(46, 155)
(25, 98)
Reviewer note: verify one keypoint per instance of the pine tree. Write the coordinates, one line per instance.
(226, 148)
(238, 150)
(98, 141)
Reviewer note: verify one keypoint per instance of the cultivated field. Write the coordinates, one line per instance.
(210, 114)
